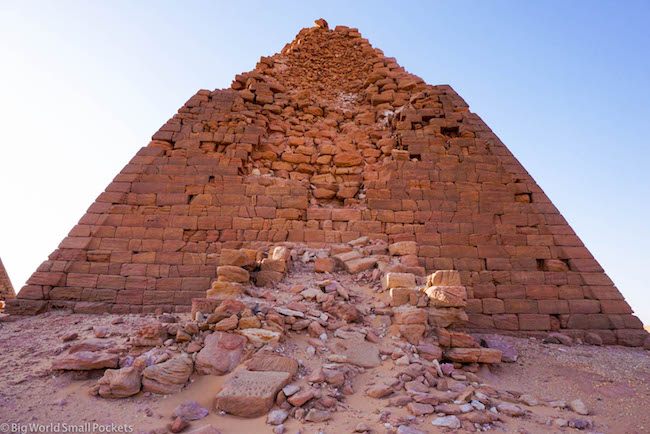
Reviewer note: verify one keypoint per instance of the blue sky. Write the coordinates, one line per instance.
(83, 85)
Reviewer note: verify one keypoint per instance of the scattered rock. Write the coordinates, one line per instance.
(315, 415)
(121, 383)
(167, 377)
(511, 409)
(558, 338)
(579, 407)
(276, 417)
(220, 354)
(190, 410)
(447, 422)
(178, 425)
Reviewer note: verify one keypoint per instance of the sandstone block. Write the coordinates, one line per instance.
(398, 280)
(403, 248)
(277, 265)
(447, 296)
(220, 354)
(324, 265)
(85, 360)
(251, 394)
(410, 315)
(489, 355)
(447, 316)
(400, 296)
(358, 265)
(121, 383)
(412, 332)
(236, 258)
(357, 352)
(167, 377)
(444, 278)
(463, 355)
(224, 290)
(267, 277)
(231, 273)
(273, 362)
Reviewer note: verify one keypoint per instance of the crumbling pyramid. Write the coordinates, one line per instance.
(320, 144)
(6, 289)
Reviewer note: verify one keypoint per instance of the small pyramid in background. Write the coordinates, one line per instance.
(6, 289)
(321, 144)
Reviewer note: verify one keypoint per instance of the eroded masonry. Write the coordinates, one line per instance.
(6, 289)
(321, 144)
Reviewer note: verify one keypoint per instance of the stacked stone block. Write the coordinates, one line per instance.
(323, 143)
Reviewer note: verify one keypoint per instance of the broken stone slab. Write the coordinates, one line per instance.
(273, 362)
(356, 352)
(444, 278)
(168, 377)
(221, 353)
(121, 383)
(447, 316)
(403, 248)
(260, 337)
(92, 344)
(347, 256)
(86, 360)
(249, 393)
(358, 265)
(447, 296)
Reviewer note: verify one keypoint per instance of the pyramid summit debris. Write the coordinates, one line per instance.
(321, 144)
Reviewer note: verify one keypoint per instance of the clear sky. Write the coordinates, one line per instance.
(564, 84)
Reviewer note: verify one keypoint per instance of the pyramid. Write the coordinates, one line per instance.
(323, 143)
(6, 289)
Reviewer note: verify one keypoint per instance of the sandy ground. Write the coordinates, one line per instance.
(614, 383)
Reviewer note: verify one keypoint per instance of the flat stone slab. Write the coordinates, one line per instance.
(86, 360)
(273, 362)
(358, 352)
(251, 393)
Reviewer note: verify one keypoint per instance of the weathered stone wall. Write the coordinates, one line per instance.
(6, 289)
(325, 142)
